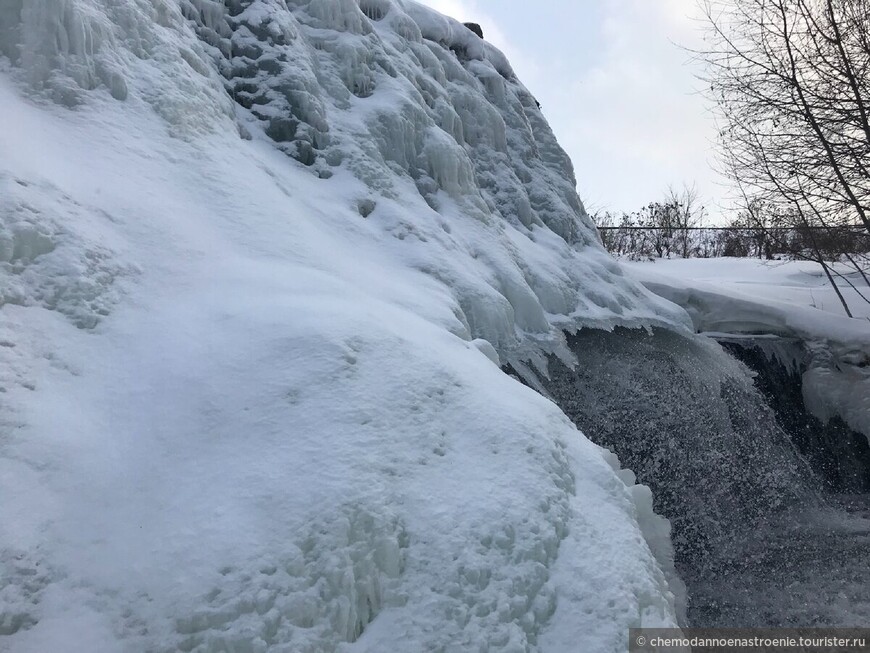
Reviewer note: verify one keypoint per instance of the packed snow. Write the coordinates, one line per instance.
(249, 349)
(778, 304)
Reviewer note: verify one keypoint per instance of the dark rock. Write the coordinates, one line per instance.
(474, 27)
(366, 207)
(282, 130)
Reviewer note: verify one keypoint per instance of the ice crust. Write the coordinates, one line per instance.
(258, 260)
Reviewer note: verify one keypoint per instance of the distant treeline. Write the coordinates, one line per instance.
(649, 242)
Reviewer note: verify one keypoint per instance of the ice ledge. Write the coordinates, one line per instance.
(836, 381)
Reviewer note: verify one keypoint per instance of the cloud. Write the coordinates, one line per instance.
(640, 124)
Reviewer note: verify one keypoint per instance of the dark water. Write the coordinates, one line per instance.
(768, 508)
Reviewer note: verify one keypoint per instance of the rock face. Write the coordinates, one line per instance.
(474, 27)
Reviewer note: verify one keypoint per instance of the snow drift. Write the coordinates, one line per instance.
(257, 262)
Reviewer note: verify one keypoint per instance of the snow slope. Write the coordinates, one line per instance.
(249, 399)
(783, 302)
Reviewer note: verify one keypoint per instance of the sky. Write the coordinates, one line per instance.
(619, 91)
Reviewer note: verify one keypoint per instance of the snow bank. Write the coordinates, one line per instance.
(836, 349)
(247, 347)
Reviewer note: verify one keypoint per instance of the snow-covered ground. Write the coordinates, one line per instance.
(250, 398)
(800, 283)
(782, 299)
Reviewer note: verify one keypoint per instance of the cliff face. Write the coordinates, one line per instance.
(258, 260)
(390, 93)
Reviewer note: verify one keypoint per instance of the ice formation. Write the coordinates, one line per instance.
(258, 261)
(54, 263)
(392, 93)
(832, 351)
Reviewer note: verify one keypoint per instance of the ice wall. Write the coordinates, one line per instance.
(398, 94)
(388, 91)
(68, 48)
(258, 264)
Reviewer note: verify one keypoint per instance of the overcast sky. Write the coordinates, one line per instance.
(619, 93)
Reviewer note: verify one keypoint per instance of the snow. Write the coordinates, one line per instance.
(798, 283)
(246, 355)
(789, 300)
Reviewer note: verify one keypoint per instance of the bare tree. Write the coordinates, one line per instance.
(685, 212)
(791, 82)
(659, 230)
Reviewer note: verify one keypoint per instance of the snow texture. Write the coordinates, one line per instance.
(50, 262)
(258, 259)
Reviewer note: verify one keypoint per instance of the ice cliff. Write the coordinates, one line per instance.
(257, 262)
